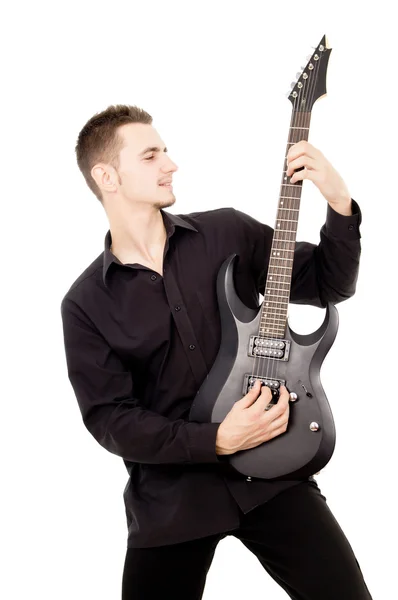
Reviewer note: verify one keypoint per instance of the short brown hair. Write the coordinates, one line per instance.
(99, 140)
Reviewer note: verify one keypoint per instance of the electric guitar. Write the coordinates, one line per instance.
(259, 344)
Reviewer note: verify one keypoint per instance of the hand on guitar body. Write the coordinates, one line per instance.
(248, 424)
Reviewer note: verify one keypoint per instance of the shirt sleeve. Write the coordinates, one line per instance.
(104, 390)
(322, 273)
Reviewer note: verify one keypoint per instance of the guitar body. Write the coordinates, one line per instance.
(300, 451)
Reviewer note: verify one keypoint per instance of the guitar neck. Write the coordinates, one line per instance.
(273, 319)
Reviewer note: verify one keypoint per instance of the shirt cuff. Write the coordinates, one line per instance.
(344, 226)
(202, 442)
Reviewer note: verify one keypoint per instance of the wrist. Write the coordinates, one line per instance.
(343, 207)
(221, 445)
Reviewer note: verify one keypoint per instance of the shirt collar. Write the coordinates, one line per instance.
(170, 221)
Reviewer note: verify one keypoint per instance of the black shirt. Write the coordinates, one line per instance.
(138, 347)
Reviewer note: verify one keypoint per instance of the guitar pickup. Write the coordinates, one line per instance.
(260, 347)
(271, 382)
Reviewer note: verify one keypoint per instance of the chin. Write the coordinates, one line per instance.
(165, 203)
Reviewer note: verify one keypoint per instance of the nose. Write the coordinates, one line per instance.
(172, 167)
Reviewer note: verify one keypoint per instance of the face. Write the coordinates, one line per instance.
(140, 170)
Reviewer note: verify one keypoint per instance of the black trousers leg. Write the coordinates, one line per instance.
(176, 571)
(301, 545)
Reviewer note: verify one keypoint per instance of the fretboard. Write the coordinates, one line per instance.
(274, 311)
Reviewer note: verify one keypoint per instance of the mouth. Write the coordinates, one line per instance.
(166, 185)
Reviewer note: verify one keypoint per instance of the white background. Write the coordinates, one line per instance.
(214, 76)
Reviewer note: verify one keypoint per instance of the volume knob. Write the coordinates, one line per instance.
(293, 396)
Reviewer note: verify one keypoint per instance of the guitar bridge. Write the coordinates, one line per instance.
(260, 347)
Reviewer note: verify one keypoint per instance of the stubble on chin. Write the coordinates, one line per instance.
(164, 203)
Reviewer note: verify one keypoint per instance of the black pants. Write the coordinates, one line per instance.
(294, 536)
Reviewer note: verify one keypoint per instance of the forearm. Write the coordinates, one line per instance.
(328, 272)
(143, 436)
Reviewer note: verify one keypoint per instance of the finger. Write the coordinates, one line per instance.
(302, 147)
(282, 405)
(280, 419)
(310, 174)
(277, 432)
(263, 400)
(301, 161)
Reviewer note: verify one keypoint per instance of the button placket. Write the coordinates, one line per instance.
(185, 328)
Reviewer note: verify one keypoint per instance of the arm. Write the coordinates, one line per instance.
(322, 273)
(328, 272)
(104, 390)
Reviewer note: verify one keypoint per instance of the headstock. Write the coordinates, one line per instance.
(311, 82)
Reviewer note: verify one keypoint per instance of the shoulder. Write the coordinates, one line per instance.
(217, 216)
(84, 284)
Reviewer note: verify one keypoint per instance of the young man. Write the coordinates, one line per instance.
(142, 330)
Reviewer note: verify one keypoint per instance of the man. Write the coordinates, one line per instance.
(142, 330)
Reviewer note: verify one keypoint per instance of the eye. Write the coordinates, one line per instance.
(149, 158)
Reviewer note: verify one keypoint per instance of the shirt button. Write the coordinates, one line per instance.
(177, 308)
(192, 347)
(153, 277)
(350, 227)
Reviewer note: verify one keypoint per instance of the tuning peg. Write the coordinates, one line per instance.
(308, 57)
(293, 84)
(298, 75)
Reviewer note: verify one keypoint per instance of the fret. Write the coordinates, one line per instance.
(299, 127)
(275, 302)
(263, 321)
(279, 267)
(279, 275)
(284, 250)
(270, 319)
(277, 295)
(282, 242)
(268, 333)
(275, 280)
(289, 220)
(287, 231)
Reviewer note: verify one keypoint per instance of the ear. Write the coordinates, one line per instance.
(104, 177)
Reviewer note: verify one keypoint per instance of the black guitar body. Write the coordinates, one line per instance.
(309, 441)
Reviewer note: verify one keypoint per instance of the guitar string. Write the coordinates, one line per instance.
(274, 298)
(259, 363)
(274, 295)
(300, 119)
(280, 238)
